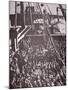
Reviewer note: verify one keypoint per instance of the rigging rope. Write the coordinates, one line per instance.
(58, 55)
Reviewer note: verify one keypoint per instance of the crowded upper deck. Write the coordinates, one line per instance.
(37, 48)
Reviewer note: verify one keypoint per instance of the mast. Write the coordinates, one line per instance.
(22, 15)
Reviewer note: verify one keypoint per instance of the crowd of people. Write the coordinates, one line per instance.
(35, 66)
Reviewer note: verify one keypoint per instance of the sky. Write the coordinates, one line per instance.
(52, 7)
